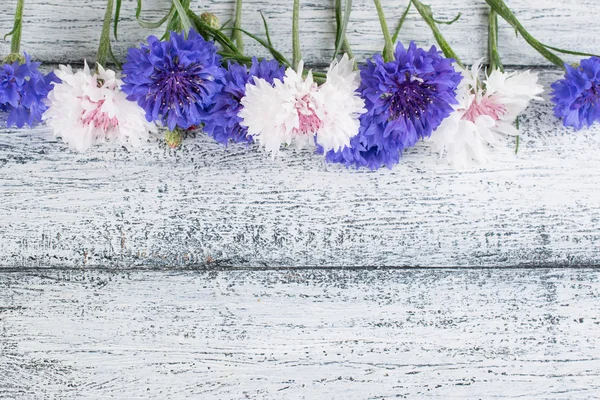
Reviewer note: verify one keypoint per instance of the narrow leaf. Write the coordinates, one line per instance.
(117, 14)
(266, 29)
(183, 17)
(575, 53)
(219, 36)
(437, 21)
(151, 25)
(276, 55)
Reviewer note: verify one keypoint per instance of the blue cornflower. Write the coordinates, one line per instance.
(22, 92)
(577, 96)
(406, 99)
(222, 121)
(173, 81)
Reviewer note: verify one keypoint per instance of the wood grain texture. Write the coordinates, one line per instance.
(68, 31)
(206, 205)
(300, 334)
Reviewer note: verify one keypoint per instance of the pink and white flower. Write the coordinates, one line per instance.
(86, 109)
(296, 110)
(484, 115)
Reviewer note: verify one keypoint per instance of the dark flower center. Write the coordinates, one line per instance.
(409, 98)
(179, 85)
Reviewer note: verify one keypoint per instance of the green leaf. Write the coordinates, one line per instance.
(437, 21)
(225, 24)
(14, 29)
(117, 14)
(276, 55)
(113, 58)
(427, 15)
(575, 53)
(151, 25)
(502, 9)
(343, 26)
(219, 36)
(181, 12)
(266, 29)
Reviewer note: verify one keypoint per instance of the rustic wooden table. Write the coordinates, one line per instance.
(218, 273)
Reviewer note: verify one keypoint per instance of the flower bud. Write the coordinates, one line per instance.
(211, 20)
(174, 138)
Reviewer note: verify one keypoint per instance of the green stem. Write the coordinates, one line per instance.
(15, 40)
(296, 55)
(427, 16)
(400, 23)
(502, 9)
(388, 54)
(493, 53)
(518, 136)
(237, 34)
(104, 46)
(346, 48)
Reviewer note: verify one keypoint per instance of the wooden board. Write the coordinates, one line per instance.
(448, 334)
(207, 205)
(67, 31)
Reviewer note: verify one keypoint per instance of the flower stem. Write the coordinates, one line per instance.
(518, 136)
(15, 40)
(104, 46)
(296, 55)
(426, 14)
(502, 9)
(493, 53)
(237, 34)
(388, 54)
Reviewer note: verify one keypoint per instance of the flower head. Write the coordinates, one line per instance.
(222, 121)
(406, 99)
(173, 81)
(343, 105)
(577, 96)
(22, 92)
(485, 112)
(301, 111)
(86, 109)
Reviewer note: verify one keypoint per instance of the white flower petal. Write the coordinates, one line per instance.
(86, 109)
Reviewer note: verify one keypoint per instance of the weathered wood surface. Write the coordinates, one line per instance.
(205, 204)
(470, 334)
(68, 31)
(235, 206)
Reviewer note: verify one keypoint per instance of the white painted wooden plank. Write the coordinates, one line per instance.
(61, 31)
(448, 334)
(205, 204)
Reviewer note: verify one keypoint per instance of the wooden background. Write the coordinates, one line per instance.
(182, 274)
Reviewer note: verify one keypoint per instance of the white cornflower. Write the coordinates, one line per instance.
(86, 109)
(485, 113)
(295, 110)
